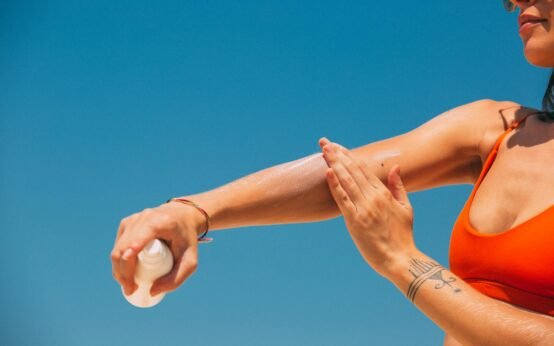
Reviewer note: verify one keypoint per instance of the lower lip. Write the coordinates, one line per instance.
(529, 25)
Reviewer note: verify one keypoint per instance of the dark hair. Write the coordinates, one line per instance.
(548, 99)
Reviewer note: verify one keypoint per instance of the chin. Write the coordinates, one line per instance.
(540, 54)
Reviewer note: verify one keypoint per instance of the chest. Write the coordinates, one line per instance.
(518, 185)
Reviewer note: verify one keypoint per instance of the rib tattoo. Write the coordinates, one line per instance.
(424, 270)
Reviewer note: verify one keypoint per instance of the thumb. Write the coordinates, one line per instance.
(184, 267)
(396, 186)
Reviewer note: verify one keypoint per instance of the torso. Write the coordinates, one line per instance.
(520, 183)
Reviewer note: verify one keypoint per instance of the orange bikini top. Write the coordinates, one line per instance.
(515, 266)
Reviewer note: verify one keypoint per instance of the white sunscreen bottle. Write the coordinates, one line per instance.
(153, 262)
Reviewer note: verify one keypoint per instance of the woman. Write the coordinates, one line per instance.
(502, 273)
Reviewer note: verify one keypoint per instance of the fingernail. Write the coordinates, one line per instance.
(127, 253)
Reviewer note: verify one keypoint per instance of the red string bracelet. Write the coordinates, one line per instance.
(202, 238)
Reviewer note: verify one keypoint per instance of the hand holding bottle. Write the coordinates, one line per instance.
(177, 224)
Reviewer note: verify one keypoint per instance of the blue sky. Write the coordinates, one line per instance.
(109, 107)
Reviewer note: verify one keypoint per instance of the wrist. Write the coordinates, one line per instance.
(212, 203)
(197, 219)
(397, 270)
(191, 217)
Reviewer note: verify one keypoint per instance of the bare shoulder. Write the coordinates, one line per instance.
(484, 115)
(496, 117)
(465, 135)
(465, 123)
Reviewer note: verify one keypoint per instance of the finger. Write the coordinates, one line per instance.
(340, 196)
(115, 258)
(352, 166)
(127, 271)
(135, 236)
(126, 264)
(115, 255)
(373, 180)
(396, 186)
(124, 272)
(324, 149)
(121, 229)
(347, 181)
(323, 141)
(118, 249)
(182, 269)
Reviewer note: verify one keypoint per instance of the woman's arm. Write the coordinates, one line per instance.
(444, 150)
(462, 312)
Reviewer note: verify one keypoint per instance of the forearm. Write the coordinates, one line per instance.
(291, 192)
(286, 193)
(464, 313)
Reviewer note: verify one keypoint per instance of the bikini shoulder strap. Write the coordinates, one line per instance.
(516, 123)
